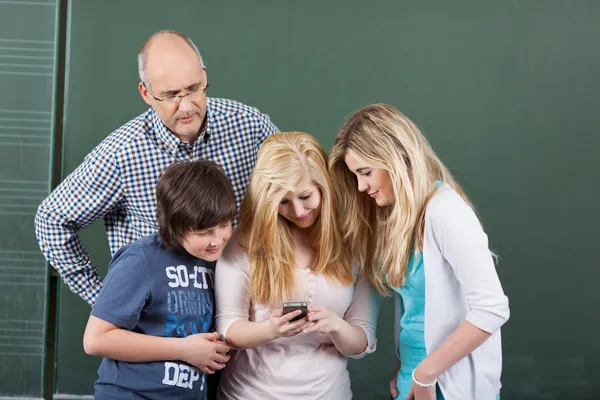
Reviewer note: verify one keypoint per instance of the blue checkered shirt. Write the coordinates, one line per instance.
(117, 180)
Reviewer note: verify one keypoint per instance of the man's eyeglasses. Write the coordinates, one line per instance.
(175, 99)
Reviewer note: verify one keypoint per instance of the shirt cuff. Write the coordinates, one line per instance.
(371, 346)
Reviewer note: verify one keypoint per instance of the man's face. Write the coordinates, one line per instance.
(177, 73)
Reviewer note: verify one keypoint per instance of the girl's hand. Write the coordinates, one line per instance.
(419, 393)
(281, 325)
(322, 320)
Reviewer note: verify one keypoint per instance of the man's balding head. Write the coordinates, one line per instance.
(165, 40)
(173, 82)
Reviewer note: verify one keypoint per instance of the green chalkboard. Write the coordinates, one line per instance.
(27, 55)
(507, 92)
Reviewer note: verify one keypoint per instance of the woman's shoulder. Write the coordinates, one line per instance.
(234, 255)
(446, 201)
(448, 213)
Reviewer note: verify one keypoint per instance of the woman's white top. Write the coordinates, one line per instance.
(461, 284)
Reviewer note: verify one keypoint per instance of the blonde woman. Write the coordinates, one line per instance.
(288, 247)
(417, 235)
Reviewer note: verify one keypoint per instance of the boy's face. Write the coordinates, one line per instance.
(207, 244)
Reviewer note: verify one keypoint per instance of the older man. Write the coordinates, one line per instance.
(117, 179)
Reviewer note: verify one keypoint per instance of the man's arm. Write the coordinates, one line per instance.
(86, 195)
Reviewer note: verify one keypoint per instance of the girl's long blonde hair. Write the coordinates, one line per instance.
(383, 238)
(284, 160)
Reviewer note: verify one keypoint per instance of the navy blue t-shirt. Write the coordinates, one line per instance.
(155, 291)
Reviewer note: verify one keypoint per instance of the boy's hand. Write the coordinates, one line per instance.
(205, 351)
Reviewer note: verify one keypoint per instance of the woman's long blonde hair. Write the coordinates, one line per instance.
(383, 238)
(285, 159)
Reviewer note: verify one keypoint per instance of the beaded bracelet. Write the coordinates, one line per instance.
(423, 385)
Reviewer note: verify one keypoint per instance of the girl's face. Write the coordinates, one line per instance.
(374, 181)
(303, 205)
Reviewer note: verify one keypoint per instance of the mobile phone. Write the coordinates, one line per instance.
(293, 306)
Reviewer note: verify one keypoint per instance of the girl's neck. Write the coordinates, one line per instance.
(300, 235)
(304, 252)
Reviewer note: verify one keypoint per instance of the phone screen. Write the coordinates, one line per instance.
(293, 306)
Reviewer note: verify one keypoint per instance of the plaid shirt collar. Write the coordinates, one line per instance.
(169, 141)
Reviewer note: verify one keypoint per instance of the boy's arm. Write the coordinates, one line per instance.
(203, 350)
(126, 290)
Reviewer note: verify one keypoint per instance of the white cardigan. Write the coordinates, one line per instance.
(460, 283)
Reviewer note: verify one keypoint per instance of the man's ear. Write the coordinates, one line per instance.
(205, 78)
(144, 93)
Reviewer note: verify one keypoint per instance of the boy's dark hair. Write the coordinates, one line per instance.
(190, 196)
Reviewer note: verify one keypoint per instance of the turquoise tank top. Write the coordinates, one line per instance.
(412, 340)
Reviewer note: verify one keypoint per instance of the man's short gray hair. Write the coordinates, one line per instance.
(142, 57)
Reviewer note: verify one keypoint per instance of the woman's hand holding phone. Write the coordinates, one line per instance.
(281, 325)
